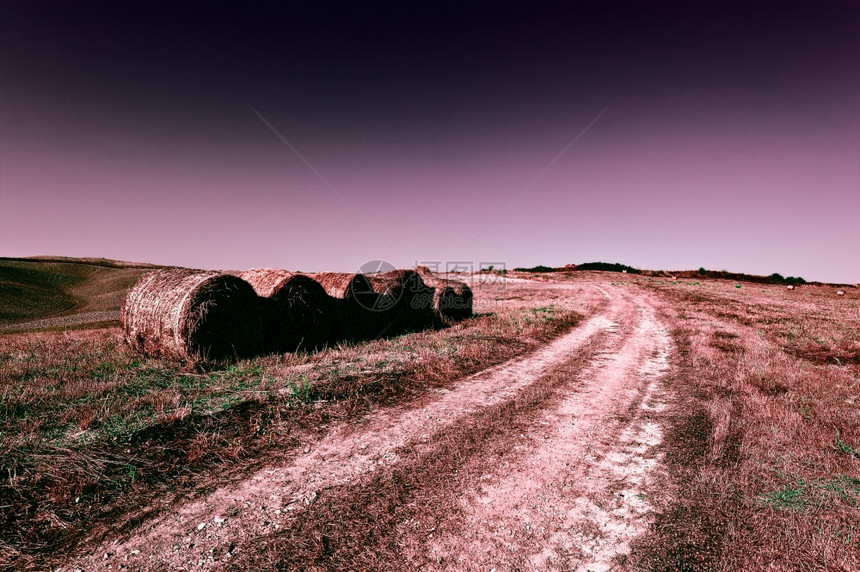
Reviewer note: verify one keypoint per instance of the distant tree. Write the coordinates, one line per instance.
(777, 278)
(702, 271)
(539, 268)
(611, 267)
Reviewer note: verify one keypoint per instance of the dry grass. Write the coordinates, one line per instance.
(764, 451)
(92, 432)
(191, 315)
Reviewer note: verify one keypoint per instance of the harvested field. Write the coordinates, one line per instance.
(191, 315)
(43, 294)
(586, 421)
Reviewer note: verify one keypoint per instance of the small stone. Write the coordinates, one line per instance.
(201, 526)
(219, 520)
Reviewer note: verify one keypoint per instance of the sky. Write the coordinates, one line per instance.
(322, 135)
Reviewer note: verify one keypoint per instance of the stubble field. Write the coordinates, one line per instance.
(580, 420)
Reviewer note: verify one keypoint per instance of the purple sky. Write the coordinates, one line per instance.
(729, 136)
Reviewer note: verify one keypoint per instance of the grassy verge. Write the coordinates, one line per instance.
(92, 433)
(763, 449)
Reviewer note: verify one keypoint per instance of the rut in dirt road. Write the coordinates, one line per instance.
(427, 486)
(578, 495)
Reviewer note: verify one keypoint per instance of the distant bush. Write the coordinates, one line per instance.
(777, 278)
(608, 267)
(702, 271)
(538, 268)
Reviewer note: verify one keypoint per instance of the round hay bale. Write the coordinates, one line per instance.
(452, 299)
(266, 281)
(343, 285)
(406, 302)
(298, 312)
(192, 315)
(353, 295)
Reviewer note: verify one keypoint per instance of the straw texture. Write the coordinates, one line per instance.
(405, 303)
(297, 311)
(192, 315)
(452, 299)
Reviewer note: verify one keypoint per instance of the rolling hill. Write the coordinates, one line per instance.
(41, 293)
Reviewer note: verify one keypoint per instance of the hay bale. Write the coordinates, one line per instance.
(266, 281)
(297, 311)
(405, 302)
(353, 295)
(343, 285)
(452, 299)
(192, 315)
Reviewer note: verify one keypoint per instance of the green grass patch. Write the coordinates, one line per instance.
(789, 497)
(800, 495)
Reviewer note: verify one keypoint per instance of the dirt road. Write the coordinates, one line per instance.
(545, 462)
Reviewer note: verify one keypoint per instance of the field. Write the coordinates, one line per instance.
(61, 293)
(579, 420)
